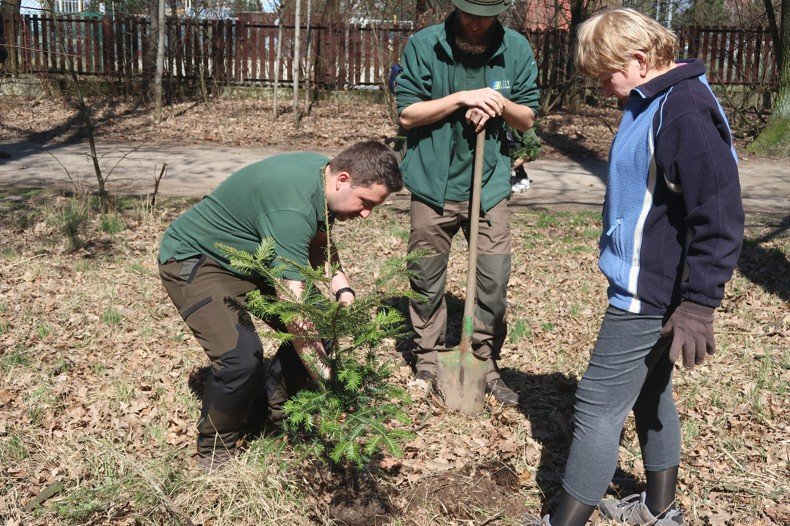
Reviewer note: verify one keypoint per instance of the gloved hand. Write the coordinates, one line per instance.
(691, 326)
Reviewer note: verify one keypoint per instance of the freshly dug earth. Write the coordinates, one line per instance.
(468, 494)
(363, 502)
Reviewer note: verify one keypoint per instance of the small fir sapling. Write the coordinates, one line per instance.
(357, 413)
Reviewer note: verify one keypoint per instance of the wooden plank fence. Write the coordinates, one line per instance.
(242, 51)
(733, 56)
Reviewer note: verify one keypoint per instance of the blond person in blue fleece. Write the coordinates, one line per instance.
(673, 228)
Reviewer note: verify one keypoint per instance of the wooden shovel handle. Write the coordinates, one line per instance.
(467, 328)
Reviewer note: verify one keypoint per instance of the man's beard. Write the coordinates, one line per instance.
(474, 47)
(471, 51)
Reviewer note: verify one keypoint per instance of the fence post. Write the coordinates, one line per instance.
(35, 49)
(9, 32)
(205, 48)
(216, 57)
(45, 20)
(230, 49)
(241, 48)
(731, 43)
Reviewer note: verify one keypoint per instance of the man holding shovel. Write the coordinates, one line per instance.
(466, 76)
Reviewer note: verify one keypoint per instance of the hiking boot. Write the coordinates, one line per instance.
(428, 377)
(502, 393)
(534, 520)
(215, 449)
(215, 461)
(633, 511)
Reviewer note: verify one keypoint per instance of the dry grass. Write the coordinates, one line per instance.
(94, 363)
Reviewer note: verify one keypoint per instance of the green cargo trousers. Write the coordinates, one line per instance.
(433, 229)
(212, 302)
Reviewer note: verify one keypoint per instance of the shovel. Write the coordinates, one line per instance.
(462, 376)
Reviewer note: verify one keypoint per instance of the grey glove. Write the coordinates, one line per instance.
(692, 328)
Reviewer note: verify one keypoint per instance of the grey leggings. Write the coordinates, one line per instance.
(629, 369)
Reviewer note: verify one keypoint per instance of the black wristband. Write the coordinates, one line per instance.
(344, 289)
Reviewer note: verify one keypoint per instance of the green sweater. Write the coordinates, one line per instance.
(281, 198)
(428, 74)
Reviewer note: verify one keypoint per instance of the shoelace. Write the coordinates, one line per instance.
(629, 506)
(672, 513)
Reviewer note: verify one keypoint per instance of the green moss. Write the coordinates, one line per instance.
(774, 140)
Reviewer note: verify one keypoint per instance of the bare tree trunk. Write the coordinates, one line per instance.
(157, 180)
(277, 58)
(3, 49)
(346, 46)
(782, 105)
(202, 78)
(85, 113)
(149, 58)
(774, 27)
(160, 62)
(308, 63)
(574, 93)
(775, 137)
(297, 58)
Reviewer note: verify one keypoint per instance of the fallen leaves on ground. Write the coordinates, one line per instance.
(95, 393)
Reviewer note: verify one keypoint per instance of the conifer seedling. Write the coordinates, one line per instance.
(358, 413)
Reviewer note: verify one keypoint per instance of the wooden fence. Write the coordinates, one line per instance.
(243, 50)
(733, 56)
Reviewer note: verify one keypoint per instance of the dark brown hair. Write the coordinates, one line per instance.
(369, 163)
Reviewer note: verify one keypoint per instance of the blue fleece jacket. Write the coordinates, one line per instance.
(673, 218)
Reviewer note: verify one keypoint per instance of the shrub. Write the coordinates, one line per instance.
(112, 223)
(71, 220)
(525, 145)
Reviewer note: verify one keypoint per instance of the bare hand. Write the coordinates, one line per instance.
(346, 299)
(487, 100)
(314, 358)
(477, 118)
(322, 369)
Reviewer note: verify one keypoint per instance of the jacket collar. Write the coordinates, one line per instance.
(687, 69)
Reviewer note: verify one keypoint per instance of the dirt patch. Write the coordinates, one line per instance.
(364, 502)
(480, 494)
(331, 125)
(235, 122)
(587, 133)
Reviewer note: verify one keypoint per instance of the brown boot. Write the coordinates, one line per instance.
(502, 393)
(214, 450)
(215, 461)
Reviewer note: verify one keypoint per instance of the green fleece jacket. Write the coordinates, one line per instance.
(428, 69)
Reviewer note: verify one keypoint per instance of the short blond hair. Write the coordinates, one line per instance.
(607, 42)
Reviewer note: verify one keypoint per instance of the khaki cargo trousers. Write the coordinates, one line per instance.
(433, 229)
(212, 302)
